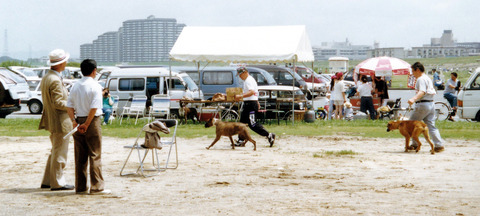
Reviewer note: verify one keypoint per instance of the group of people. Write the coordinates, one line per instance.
(366, 91)
(81, 109)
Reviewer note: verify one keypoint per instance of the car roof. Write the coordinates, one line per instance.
(278, 88)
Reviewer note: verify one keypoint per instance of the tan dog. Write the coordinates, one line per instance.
(411, 129)
(229, 129)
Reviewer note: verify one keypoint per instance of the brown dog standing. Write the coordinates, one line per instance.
(411, 129)
(229, 129)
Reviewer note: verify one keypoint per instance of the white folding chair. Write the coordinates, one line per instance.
(169, 141)
(160, 106)
(137, 107)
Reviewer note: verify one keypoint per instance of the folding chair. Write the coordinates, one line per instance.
(160, 106)
(137, 107)
(169, 140)
(114, 108)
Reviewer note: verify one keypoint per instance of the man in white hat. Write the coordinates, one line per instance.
(55, 119)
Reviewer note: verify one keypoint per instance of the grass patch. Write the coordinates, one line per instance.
(363, 128)
(335, 153)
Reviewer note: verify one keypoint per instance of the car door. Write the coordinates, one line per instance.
(471, 97)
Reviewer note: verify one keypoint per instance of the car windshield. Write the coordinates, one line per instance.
(191, 84)
(32, 85)
(15, 77)
(29, 72)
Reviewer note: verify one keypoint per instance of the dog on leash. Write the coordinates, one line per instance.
(187, 113)
(411, 129)
(229, 129)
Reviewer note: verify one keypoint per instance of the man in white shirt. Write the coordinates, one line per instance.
(250, 107)
(450, 93)
(85, 102)
(424, 105)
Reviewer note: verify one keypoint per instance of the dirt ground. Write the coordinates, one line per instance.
(295, 177)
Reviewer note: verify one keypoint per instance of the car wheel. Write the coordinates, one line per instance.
(35, 107)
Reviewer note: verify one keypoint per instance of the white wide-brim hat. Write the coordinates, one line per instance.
(57, 56)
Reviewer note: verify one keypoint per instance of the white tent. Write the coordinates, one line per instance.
(258, 44)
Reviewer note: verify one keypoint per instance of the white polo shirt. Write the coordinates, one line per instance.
(425, 84)
(365, 90)
(86, 94)
(250, 84)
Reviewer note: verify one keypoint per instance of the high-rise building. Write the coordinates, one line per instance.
(345, 49)
(142, 40)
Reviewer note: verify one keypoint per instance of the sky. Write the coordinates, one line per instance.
(34, 28)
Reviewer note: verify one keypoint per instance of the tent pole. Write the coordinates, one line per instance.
(170, 76)
(293, 90)
(199, 79)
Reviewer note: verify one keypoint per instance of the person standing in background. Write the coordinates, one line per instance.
(381, 89)
(84, 109)
(339, 95)
(365, 90)
(55, 119)
(107, 105)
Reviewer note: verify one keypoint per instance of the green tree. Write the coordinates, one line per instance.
(14, 63)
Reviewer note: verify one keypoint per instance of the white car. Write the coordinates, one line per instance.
(35, 104)
(468, 99)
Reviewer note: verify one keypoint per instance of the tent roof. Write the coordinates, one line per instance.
(258, 44)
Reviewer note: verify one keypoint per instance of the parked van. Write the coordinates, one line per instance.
(468, 100)
(218, 79)
(129, 82)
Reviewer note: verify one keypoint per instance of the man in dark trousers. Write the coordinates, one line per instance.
(250, 107)
(84, 108)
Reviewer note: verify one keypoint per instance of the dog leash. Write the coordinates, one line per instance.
(407, 111)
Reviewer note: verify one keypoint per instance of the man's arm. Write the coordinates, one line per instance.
(83, 127)
(56, 93)
(71, 114)
(419, 95)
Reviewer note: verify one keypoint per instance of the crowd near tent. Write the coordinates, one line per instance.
(257, 44)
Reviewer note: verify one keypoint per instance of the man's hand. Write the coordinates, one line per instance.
(238, 97)
(411, 101)
(82, 128)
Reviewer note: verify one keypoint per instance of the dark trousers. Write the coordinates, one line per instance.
(88, 148)
(249, 115)
(366, 103)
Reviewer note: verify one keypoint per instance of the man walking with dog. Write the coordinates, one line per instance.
(250, 107)
(424, 105)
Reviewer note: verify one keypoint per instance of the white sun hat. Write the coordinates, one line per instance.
(57, 57)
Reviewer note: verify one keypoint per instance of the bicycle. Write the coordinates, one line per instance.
(443, 111)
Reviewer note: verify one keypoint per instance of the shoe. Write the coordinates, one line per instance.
(102, 192)
(44, 186)
(271, 139)
(451, 119)
(104, 123)
(82, 192)
(66, 187)
(439, 148)
(240, 143)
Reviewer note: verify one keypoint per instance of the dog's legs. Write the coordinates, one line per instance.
(214, 141)
(231, 140)
(415, 134)
(427, 137)
(407, 140)
(247, 138)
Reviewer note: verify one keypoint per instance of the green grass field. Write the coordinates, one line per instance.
(363, 128)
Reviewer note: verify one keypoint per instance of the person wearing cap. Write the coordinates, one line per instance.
(55, 119)
(424, 105)
(250, 107)
(339, 95)
(84, 108)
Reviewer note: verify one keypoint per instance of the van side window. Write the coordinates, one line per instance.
(194, 76)
(176, 85)
(217, 78)
(131, 84)
(475, 84)
(259, 78)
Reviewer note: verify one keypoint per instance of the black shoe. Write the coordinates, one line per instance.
(271, 139)
(44, 186)
(66, 187)
(240, 143)
(439, 148)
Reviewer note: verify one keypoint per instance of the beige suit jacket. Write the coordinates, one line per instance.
(54, 95)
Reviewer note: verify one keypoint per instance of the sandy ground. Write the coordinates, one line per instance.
(284, 180)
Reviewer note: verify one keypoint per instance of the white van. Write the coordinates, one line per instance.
(148, 81)
(468, 99)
